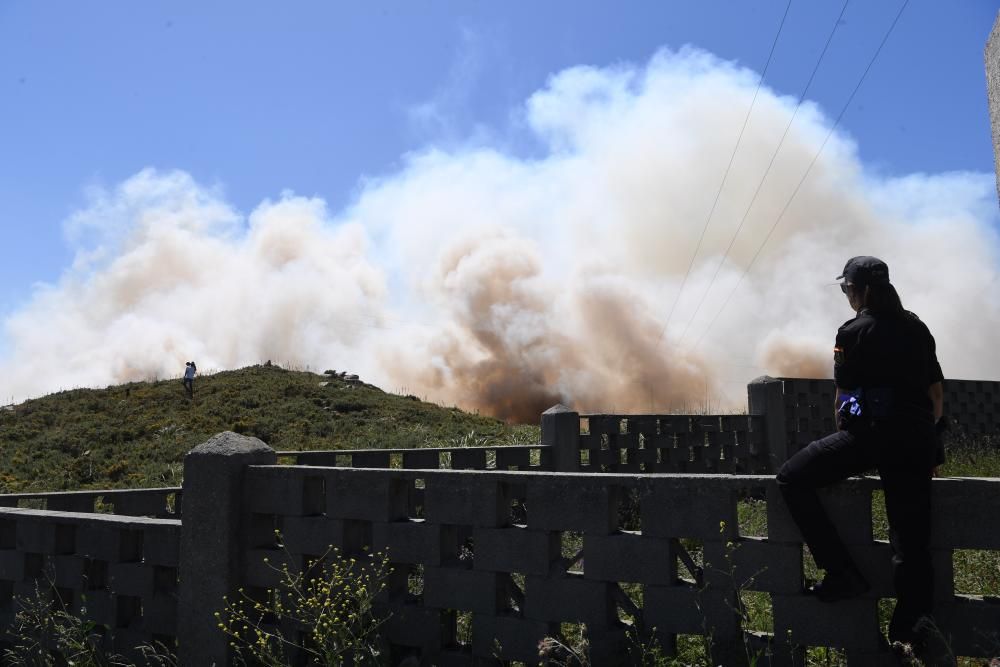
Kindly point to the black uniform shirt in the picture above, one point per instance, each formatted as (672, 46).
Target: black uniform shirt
(893, 354)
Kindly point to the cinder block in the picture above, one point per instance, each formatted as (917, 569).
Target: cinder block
(461, 589)
(274, 490)
(36, 535)
(509, 638)
(134, 579)
(66, 571)
(316, 534)
(762, 565)
(965, 513)
(107, 542)
(515, 549)
(99, 607)
(11, 565)
(421, 460)
(466, 499)
(369, 495)
(410, 541)
(629, 557)
(513, 457)
(161, 545)
(584, 503)
(468, 458)
(415, 625)
(370, 459)
(569, 598)
(847, 624)
(971, 625)
(673, 609)
(139, 503)
(160, 614)
(676, 507)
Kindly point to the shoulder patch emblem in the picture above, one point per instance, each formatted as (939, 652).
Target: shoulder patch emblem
(838, 355)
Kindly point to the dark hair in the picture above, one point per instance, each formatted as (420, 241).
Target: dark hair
(884, 300)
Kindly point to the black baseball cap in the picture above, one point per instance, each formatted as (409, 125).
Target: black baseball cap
(865, 270)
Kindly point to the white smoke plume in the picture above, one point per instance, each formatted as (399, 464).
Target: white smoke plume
(480, 278)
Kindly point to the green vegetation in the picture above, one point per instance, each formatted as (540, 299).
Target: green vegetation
(321, 615)
(135, 435)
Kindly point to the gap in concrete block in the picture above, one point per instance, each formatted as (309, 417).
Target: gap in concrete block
(463, 627)
(128, 611)
(164, 580)
(515, 592)
(886, 606)
(95, 575)
(313, 496)
(692, 650)
(8, 534)
(63, 598)
(342, 460)
(263, 531)
(751, 513)
(573, 637)
(584, 426)
(415, 501)
(415, 582)
(585, 457)
(810, 570)
(629, 510)
(518, 512)
(976, 572)
(444, 460)
(6, 594)
(467, 550)
(65, 542)
(34, 564)
(623, 456)
(756, 611)
(880, 520)
(690, 560)
(396, 460)
(104, 505)
(825, 655)
(623, 426)
(628, 602)
(571, 550)
(641, 441)
(605, 441)
(535, 457)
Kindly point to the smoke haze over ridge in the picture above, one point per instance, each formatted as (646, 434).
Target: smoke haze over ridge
(477, 277)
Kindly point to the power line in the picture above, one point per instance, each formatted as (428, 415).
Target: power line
(795, 192)
(729, 166)
(767, 171)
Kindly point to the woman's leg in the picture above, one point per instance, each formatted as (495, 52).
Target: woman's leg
(824, 462)
(908, 506)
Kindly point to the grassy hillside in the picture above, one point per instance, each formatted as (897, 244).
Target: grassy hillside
(136, 434)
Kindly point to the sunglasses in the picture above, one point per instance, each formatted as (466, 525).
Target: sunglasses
(843, 287)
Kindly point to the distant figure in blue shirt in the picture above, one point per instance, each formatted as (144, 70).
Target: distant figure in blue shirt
(189, 372)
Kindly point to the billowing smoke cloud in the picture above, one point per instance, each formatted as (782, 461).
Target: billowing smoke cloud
(506, 283)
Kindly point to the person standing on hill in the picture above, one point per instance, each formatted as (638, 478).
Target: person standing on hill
(189, 372)
(889, 417)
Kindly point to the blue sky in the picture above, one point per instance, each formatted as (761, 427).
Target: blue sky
(257, 98)
(453, 197)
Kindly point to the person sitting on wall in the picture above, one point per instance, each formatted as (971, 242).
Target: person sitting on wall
(189, 372)
(889, 411)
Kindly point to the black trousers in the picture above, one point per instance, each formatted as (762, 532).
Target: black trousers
(908, 505)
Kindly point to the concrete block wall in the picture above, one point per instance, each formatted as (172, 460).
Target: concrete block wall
(513, 457)
(973, 407)
(162, 503)
(123, 570)
(514, 555)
